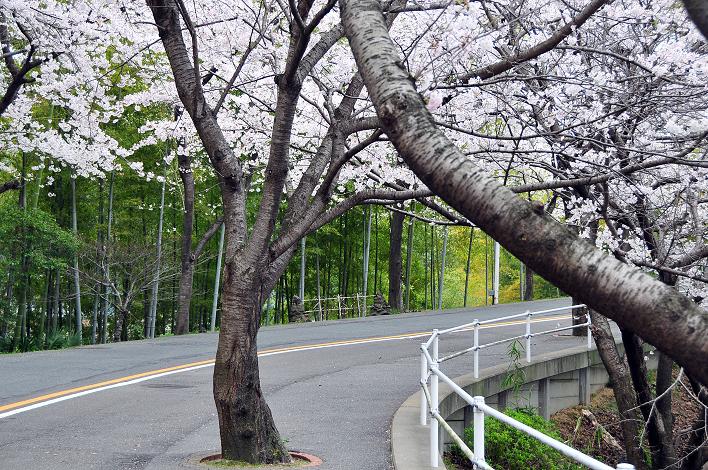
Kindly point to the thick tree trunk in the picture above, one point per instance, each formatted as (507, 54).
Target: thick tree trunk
(611, 287)
(186, 277)
(622, 387)
(186, 285)
(579, 317)
(395, 264)
(246, 425)
(698, 12)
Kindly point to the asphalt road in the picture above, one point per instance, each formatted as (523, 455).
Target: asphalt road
(332, 400)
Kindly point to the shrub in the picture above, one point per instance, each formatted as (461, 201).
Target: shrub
(510, 449)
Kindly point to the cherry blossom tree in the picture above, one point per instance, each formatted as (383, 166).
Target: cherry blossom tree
(593, 110)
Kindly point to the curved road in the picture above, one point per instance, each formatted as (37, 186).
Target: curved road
(332, 386)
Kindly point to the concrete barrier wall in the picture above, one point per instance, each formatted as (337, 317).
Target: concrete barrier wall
(552, 382)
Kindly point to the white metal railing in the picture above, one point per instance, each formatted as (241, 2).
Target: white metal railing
(356, 305)
(430, 375)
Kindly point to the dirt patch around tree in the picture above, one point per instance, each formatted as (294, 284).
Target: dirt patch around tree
(299, 460)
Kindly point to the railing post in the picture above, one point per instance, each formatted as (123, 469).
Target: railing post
(589, 322)
(478, 429)
(528, 336)
(434, 448)
(476, 349)
(423, 379)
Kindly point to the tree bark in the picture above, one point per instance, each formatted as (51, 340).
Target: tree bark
(467, 267)
(698, 12)
(246, 425)
(121, 318)
(186, 276)
(622, 387)
(578, 318)
(77, 283)
(528, 283)
(152, 314)
(245, 422)
(217, 279)
(105, 253)
(395, 264)
(605, 284)
(441, 278)
(409, 259)
(9, 185)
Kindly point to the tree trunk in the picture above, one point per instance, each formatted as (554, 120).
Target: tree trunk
(186, 282)
(303, 259)
(246, 425)
(19, 333)
(94, 313)
(528, 283)
(56, 301)
(467, 267)
(367, 250)
(425, 267)
(660, 438)
(77, 284)
(377, 281)
(395, 264)
(622, 387)
(121, 318)
(697, 438)
(614, 289)
(152, 312)
(187, 272)
(41, 324)
(579, 317)
(106, 244)
(217, 280)
(409, 259)
(441, 278)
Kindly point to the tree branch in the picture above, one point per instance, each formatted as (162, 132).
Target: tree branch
(631, 298)
(211, 231)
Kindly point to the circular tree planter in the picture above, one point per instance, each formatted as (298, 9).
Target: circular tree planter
(300, 460)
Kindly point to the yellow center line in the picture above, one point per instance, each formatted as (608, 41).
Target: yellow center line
(266, 352)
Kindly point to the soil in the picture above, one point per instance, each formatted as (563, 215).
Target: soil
(587, 437)
(299, 460)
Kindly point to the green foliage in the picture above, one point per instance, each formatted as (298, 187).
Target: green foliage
(515, 376)
(36, 235)
(59, 339)
(507, 448)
